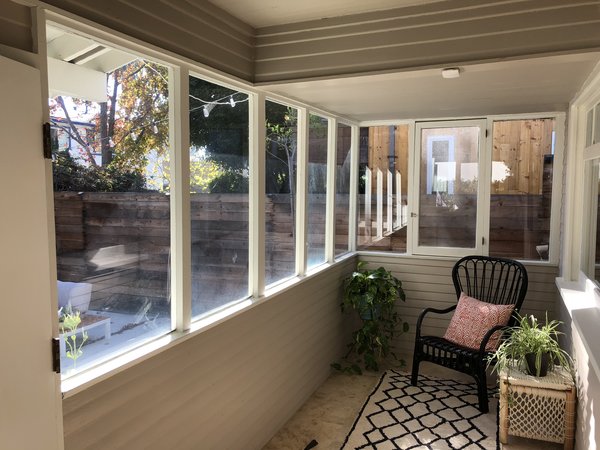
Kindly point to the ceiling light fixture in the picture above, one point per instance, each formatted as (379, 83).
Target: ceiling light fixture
(451, 72)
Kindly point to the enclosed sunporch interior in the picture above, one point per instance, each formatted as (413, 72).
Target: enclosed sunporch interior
(250, 363)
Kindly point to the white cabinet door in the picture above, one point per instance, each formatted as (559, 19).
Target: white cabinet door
(30, 405)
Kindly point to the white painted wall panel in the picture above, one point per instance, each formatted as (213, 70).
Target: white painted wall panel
(231, 387)
(15, 26)
(197, 30)
(425, 35)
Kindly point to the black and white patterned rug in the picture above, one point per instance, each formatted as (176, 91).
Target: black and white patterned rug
(434, 415)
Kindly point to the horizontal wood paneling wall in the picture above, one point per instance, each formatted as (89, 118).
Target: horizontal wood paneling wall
(428, 283)
(231, 387)
(15, 26)
(194, 29)
(425, 35)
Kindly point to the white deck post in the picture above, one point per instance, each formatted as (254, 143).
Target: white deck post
(379, 223)
(368, 189)
(390, 202)
(398, 199)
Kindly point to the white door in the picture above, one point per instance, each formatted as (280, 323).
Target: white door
(446, 217)
(30, 401)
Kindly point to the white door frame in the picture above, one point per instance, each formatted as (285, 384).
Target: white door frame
(481, 231)
(31, 413)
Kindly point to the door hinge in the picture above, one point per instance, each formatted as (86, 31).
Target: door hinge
(56, 355)
(482, 240)
(487, 132)
(413, 214)
(47, 140)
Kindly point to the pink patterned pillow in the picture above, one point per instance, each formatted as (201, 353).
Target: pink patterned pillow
(472, 319)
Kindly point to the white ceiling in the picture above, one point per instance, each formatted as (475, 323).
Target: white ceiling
(507, 87)
(265, 13)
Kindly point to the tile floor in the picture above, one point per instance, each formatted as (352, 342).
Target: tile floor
(329, 413)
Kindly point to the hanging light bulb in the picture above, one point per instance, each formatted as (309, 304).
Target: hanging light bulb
(208, 108)
(111, 143)
(155, 129)
(133, 136)
(231, 101)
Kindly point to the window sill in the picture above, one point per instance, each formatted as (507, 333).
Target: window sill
(581, 300)
(94, 375)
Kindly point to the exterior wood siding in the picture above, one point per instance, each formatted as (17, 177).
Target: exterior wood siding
(15, 26)
(428, 283)
(197, 30)
(230, 387)
(428, 35)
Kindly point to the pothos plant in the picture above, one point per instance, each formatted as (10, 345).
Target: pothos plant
(372, 294)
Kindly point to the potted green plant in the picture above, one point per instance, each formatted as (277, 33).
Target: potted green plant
(372, 294)
(531, 347)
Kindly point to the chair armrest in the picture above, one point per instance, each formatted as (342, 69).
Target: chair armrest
(488, 335)
(434, 311)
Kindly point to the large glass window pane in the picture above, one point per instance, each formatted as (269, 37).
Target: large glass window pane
(317, 185)
(342, 191)
(521, 188)
(280, 202)
(219, 195)
(449, 172)
(382, 204)
(111, 181)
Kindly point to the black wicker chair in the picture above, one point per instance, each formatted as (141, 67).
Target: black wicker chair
(494, 280)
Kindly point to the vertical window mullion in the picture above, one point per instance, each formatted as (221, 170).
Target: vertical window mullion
(330, 208)
(256, 149)
(352, 214)
(301, 193)
(557, 187)
(179, 136)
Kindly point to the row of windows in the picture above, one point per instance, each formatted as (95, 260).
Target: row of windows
(115, 211)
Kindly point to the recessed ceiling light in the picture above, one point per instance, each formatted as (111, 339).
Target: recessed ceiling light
(451, 72)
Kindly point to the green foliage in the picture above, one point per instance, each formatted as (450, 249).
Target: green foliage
(141, 119)
(69, 175)
(230, 181)
(68, 322)
(529, 337)
(373, 294)
(224, 133)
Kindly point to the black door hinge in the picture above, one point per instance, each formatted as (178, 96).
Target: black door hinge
(56, 355)
(487, 132)
(47, 138)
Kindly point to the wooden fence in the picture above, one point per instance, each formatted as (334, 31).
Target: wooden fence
(120, 242)
(518, 223)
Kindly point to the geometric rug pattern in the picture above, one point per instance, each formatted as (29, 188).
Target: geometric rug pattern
(434, 415)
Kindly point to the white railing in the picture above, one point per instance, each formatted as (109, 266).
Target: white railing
(390, 213)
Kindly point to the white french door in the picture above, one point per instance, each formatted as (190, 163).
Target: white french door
(30, 400)
(447, 207)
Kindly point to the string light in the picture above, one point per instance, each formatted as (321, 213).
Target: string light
(133, 136)
(155, 129)
(208, 108)
(231, 101)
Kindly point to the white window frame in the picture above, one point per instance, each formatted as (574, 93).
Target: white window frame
(180, 69)
(557, 179)
(481, 233)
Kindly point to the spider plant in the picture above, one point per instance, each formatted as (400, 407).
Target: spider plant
(531, 347)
